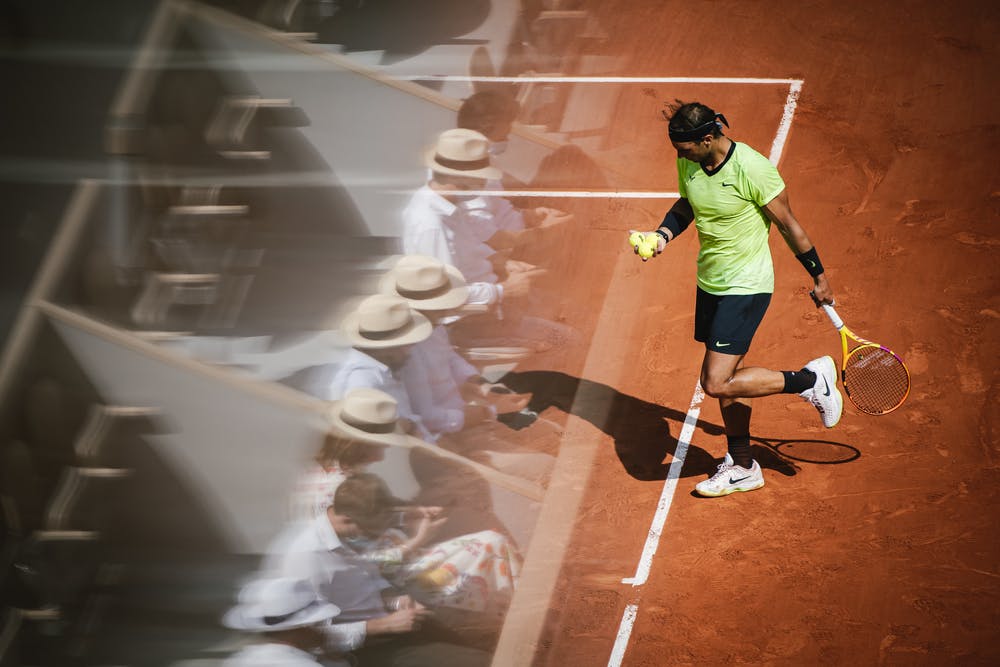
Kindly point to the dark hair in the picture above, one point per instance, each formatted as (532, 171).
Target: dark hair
(344, 450)
(689, 115)
(482, 110)
(365, 498)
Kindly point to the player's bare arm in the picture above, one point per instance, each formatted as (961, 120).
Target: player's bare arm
(780, 212)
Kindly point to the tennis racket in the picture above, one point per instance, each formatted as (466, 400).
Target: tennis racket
(875, 378)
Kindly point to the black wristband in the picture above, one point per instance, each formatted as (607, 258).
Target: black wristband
(673, 223)
(810, 260)
(662, 234)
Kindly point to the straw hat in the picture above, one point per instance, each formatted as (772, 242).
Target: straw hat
(426, 283)
(369, 415)
(462, 152)
(269, 605)
(383, 321)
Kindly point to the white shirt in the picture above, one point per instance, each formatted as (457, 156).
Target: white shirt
(489, 215)
(432, 376)
(314, 490)
(277, 655)
(434, 226)
(358, 370)
(312, 550)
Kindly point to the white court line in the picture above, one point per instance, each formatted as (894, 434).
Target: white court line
(594, 79)
(785, 125)
(569, 194)
(624, 630)
(667, 496)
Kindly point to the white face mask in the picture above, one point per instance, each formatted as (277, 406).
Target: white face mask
(498, 147)
(358, 543)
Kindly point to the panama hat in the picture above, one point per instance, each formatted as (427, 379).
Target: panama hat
(383, 321)
(462, 152)
(367, 414)
(426, 283)
(272, 604)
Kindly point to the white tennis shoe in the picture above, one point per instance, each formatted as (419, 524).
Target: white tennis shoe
(824, 395)
(730, 478)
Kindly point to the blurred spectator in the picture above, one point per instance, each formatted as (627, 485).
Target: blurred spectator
(436, 224)
(288, 615)
(491, 113)
(446, 391)
(362, 425)
(381, 331)
(495, 219)
(474, 572)
(380, 624)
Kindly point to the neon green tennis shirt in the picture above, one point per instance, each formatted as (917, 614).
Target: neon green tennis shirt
(732, 228)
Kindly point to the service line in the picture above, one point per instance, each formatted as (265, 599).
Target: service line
(568, 194)
(595, 79)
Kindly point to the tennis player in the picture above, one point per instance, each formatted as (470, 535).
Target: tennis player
(732, 193)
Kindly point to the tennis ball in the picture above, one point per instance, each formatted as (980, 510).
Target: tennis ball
(647, 250)
(635, 239)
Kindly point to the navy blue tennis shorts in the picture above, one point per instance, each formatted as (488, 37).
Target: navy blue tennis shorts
(728, 322)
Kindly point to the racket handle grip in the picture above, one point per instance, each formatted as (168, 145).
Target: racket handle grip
(830, 312)
(834, 317)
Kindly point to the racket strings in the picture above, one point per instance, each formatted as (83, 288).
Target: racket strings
(875, 379)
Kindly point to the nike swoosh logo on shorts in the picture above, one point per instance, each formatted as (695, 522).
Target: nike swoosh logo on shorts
(718, 344)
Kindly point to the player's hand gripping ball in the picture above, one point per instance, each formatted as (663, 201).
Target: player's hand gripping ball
(643, 244)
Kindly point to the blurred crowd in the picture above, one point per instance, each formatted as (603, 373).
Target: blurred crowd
(427, 579)
(393, 553)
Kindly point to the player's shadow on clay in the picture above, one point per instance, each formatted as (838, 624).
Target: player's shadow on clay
(640, 429)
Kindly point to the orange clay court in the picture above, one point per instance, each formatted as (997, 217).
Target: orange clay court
(873, 543)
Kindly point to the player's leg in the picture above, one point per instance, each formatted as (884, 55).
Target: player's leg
(816, 383)
(722, 319)
(736, 417)
(738, 471)
(721, 377)
(726, 325)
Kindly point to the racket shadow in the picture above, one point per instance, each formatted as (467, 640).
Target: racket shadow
(641, 430)
(792, 451)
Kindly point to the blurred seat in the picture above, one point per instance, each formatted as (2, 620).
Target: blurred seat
(296, 18)
(235, 129)
(108, 429)
(20, 490)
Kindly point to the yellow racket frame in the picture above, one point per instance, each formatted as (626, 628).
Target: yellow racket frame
(846, 354)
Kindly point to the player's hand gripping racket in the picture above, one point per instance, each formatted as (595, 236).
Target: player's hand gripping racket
(875, 378)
